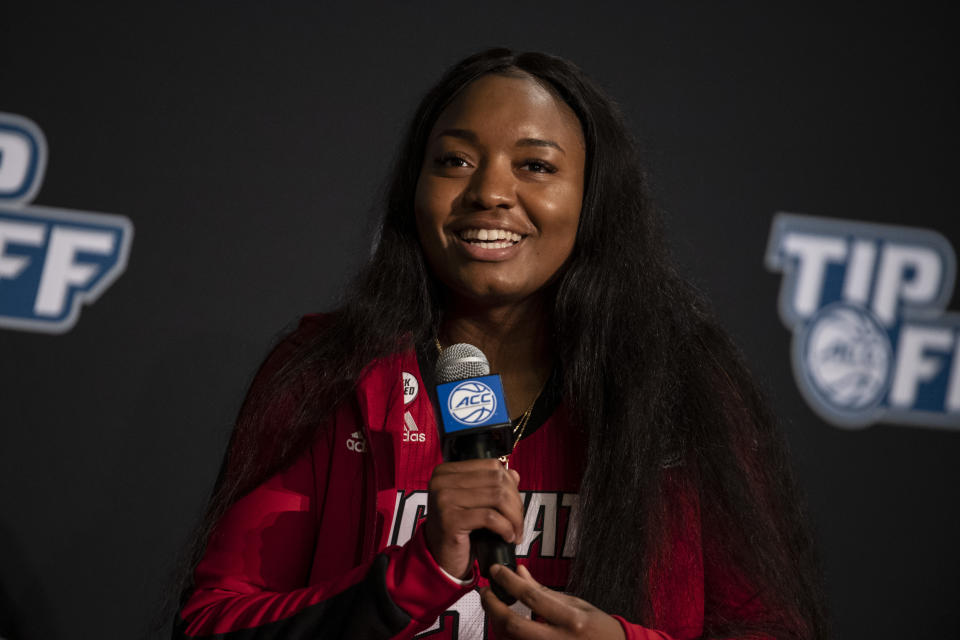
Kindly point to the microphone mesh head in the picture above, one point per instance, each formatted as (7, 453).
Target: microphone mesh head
(459, 361)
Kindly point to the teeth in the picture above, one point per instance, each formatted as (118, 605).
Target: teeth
(491, 236)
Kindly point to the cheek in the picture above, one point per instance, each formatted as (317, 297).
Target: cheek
(563, 211)
(424, 215)
(563, 199)
(432, 205)
(419, 203)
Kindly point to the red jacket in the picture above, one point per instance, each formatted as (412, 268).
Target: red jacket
(307, 553)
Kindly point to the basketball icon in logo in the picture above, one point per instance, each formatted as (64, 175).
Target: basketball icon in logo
(471, 402)
(848, 357)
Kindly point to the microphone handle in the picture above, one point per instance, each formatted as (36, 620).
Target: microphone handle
(491, 549)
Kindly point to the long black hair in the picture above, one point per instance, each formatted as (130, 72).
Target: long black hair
(660, 391)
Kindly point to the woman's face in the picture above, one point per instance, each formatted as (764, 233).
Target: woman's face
(500, 190)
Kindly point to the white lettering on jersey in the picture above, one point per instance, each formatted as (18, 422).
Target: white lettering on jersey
(466, 620)
(356, 442)
(410, 387)
(546, 504)
(572, 501)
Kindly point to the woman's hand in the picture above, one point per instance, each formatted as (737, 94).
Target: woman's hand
(468, 495)
(563, 616)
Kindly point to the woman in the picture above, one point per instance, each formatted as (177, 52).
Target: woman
(647, 479)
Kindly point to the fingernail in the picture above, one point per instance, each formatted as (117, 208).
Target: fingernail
(495, 569)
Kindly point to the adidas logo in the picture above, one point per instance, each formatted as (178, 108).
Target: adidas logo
(410, 431)
(356, 442)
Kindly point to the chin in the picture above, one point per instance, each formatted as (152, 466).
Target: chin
(495, 295)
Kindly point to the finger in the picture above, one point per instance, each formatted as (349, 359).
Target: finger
(452, 502)
(571, 600)
(568, 600)
(467, 466)
(483, 467)
(498, 497)
(473, 481)
(550, 605)
(467, 520)
(524, 573)
(507, 623)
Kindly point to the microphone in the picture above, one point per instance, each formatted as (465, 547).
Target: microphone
(475, 424)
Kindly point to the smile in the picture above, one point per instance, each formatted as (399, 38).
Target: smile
(490, 238)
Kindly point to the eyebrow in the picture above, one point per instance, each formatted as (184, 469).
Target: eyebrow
(470, 136)
(538, 142)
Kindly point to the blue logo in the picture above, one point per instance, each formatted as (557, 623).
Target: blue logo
(474, 403)
(848, 357)
(866, 302)
(471, 402)
(52, 261)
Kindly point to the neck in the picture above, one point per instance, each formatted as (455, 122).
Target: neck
(514, 339)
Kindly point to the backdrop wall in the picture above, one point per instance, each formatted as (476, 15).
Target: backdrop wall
(245, 144)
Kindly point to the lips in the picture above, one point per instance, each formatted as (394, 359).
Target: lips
(489, 238)
(489, 245)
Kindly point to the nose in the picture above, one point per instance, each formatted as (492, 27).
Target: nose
(492, 185)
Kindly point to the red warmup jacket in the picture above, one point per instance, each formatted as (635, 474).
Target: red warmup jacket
(330, 546)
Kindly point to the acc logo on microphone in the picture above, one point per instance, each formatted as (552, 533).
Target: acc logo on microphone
(472, 402)
(51, 260)
(866, 302)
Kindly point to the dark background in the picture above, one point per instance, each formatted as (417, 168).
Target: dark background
(248, 143)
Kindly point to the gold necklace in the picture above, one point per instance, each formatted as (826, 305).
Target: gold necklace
(521, 423)
(519, 429)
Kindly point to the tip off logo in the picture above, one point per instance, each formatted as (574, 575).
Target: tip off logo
(52, 261)
(866, 303)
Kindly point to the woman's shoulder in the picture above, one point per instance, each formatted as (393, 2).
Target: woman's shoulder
(285, 365)
(314, 322)
(293, 342)
(310, 327)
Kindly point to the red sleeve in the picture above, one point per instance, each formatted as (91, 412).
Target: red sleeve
(252, 579)
(633, 631)
(637, 632)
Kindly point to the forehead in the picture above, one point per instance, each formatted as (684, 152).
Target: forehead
(511, 107)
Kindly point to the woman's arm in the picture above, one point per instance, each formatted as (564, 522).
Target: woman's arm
(559, 615)
(700, 587)
(252, 580)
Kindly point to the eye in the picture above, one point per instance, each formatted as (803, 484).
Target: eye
(539, 166)
(450, 160)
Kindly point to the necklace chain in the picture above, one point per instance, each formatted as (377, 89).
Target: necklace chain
(521, 427)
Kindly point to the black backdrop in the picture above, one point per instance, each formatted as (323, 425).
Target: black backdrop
(248, 143)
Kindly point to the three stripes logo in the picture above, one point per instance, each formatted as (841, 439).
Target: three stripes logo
(410, 431)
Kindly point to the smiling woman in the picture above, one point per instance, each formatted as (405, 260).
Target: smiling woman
(499, 195)
(647, 480)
